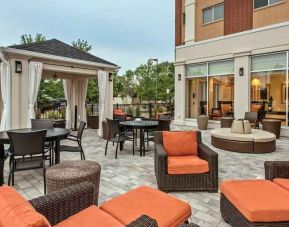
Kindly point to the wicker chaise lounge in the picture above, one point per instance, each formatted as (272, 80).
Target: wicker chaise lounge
(74, 207)
(186, 182)
(270, 200)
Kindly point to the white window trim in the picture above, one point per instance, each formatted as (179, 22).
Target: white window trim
(268, 4)
(213, 14)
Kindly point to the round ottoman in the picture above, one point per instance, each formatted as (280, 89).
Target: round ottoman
(226, 122)
(70, 173)
(272, 125)
(203, 122)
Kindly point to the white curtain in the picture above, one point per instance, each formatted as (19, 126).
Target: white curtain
(34, 79)
(82, 88)
(68, 97)
(5, 76)
(102, 84)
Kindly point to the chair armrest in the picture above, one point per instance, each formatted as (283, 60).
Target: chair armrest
(276, 169)
(143, 221)
(210, 156)
(160, 160)
(189, 225)
(58, 206)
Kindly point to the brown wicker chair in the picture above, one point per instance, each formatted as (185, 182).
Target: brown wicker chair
(188, 182)
(60, 205)
(27, 152)
(273, 169)
(78, 139)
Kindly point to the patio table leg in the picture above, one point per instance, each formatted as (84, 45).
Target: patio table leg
(2, 160)
(141, 142)
(57, 151)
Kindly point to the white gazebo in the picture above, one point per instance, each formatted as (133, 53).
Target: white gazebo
(23, 67)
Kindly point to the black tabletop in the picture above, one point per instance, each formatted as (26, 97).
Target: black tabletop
(52, 134)
(140, 124)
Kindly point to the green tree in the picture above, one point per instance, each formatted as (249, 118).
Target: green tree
(50, 90)
(27, 39)
(82, 45)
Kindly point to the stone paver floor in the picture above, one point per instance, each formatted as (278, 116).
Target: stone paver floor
(128, 172)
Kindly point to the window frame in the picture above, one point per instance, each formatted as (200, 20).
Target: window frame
(268, 4)
(213, 13)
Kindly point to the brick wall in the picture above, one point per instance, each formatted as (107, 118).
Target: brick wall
(178, 22)
(238, 16)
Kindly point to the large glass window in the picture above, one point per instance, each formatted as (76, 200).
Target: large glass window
(213, 13)
(210, 89)
(263, 3)
(268, 86)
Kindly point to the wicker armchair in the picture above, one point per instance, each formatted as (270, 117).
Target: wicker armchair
(188, 182)
(60, 205)
(276, 169)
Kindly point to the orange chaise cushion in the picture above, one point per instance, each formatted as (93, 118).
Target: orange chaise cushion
(17, 211)
(187, 165)
(167, 210)
(180, 143)
(284, 183)
(258, 200)
(90, 217)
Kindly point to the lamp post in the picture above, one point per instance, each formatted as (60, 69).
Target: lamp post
(157, 62)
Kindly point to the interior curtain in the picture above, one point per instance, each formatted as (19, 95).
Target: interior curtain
(5, 76)
(68, 97)
(102, 84)
(34, 79)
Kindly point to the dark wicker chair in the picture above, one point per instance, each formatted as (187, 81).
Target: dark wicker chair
(164, 125)
(27, 152)
(60, 205)
(273, 169)
(187, 182)
(39, 124)
(117, 136)
(77, 139)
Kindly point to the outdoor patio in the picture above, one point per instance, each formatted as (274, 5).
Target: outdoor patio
(128, 172)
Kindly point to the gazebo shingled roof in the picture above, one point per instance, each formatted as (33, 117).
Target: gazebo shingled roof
(58, 48)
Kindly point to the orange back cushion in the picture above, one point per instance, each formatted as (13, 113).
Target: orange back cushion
(180, 143)
(16, 211)
(118, 112)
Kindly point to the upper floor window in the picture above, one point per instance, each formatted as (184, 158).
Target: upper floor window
(263, 3)
(213, 13)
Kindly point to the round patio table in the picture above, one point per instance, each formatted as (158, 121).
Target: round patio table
(142, 126)
(53, 135)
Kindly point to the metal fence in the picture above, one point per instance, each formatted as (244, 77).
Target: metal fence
(136, 110)
(145, 109)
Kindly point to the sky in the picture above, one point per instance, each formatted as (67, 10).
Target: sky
(125, 32)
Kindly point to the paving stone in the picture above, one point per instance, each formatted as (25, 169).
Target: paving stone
(129, 172)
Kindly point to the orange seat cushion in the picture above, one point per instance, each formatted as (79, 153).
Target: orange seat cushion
(284, 183)
(90, 217)
(187, 165)
(258, 200)
(17, 211)
(118, 112)
(180, 143)
(167, 210)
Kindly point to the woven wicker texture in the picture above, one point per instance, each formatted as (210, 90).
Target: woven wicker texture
(70, 173)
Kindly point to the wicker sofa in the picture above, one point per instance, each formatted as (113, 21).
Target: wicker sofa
(186, 182)
(270, 198)
(73, 206)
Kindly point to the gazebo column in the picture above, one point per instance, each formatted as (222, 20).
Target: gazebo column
(109, 100)
(19, 94)
(79, 91)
